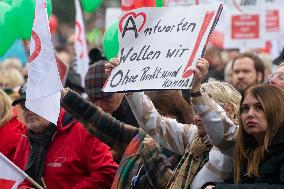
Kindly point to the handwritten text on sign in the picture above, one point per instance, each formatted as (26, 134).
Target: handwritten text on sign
(159, 47)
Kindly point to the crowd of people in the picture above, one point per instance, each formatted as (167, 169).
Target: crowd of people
(223, 132)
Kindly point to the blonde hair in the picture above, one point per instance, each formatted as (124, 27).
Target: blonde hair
(224, 94)
(247, 148)
(12, 63)
(10, 78)
(5, 108)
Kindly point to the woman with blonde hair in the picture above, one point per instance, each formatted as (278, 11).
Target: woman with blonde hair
(259, 148)
(201, 162)
(10, 126)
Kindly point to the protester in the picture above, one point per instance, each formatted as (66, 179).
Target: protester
(259, 148)
(113, 103)
(195, 168)
(104, 125)
(277, 78)
(73, 81)
(248, 71)
(10, 127)
(62, 156)
(10, 78)
(14, 63)
(216, 64)
(228, 73)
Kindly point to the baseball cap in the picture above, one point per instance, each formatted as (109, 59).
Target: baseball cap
(22, 94)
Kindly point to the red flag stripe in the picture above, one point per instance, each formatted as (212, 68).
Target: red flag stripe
(6, 184)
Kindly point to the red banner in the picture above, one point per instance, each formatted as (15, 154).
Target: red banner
(245, 27)
(272, 21)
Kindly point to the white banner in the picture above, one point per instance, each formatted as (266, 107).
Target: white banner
(159, 47)
(43, 84)
(81, 50)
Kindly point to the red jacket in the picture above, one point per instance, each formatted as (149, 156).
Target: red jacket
(75, 159)
(10, 134)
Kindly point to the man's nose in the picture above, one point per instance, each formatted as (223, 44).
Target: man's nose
(273, 81)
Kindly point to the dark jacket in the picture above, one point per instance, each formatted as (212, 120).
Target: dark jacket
(271, 168)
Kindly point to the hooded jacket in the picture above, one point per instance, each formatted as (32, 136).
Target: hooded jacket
(74, 159)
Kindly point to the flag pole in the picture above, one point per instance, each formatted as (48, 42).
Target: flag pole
(20, 171)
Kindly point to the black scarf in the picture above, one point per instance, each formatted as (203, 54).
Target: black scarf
(40, 143)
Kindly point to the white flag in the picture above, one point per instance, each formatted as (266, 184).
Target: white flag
(10, 174)
(43, 85)
(81, 49)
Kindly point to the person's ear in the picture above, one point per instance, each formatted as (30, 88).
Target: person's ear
(229, 109)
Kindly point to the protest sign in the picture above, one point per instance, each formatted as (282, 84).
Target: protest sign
(274, 18)
(159, 47)
(245, 29)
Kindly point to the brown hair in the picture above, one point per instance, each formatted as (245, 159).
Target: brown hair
(170, 103)
(247, 148)
(258, 64)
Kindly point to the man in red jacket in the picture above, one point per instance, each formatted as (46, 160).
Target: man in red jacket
(62, 156)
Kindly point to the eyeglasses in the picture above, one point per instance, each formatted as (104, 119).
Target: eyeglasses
(277, 75)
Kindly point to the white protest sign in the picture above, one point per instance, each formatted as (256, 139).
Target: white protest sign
(245, 29)
(159, 47)
(43, 84)
(274, 18)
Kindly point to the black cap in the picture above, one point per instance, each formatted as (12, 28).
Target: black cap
(22, 93)
(73, 81)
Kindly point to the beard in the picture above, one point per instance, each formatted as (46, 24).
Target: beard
(243, 85)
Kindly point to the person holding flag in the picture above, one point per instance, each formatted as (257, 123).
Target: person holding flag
(56, 157)
(50, 151)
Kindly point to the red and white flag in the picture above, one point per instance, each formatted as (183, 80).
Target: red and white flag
(10, 175)
(43, 84)
(81, 50)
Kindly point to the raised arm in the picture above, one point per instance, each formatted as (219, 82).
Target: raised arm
(97, 122)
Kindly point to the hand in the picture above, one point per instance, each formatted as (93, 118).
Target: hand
(110, 65)
(63, 92)
(149, 142)
(200, 73)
